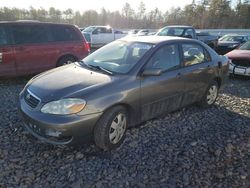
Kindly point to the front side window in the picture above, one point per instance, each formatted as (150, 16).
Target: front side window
(3, 36)
(165, 58)
(194, 54)
(118, 56)
(29, 34)
(189, 33)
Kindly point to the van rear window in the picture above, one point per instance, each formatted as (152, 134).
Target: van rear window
(64, 33)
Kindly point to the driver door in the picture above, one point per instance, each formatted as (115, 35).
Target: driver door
(163, 93)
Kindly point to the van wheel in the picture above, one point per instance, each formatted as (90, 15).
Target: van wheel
(65, 60)
(110, 130)
(210, 96)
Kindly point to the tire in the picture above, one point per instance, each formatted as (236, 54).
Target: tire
(65, 60)
(211, 95)
(107, 134)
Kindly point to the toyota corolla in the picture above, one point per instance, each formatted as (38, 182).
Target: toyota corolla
(124, 83)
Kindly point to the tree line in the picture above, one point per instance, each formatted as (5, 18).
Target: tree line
(202, 14)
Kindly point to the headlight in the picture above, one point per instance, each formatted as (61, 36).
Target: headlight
(64, 106)
(233, 46)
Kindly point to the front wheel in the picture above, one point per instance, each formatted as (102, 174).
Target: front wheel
(65, 60)
(210, 95)
(110, 130)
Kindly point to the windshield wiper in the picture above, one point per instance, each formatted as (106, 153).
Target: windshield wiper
(96, 67)
(101, 69)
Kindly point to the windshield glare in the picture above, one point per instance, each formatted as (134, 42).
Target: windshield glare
(168, 31)
(231, 38)
(245, 46)
(118, 56)
(89, 29)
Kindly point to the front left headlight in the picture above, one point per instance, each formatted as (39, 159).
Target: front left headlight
(64, 106)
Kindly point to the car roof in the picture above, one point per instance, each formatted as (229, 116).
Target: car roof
(31, 22)
(180, 26)
(154, 39)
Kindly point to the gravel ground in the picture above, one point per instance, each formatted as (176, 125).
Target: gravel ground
(192, 147)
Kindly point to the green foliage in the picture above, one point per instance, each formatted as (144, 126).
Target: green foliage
(200, 14)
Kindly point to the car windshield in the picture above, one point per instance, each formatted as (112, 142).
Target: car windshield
(245, 46)
(231, 38)
(89, 29)
(168, 31)
(118, 56)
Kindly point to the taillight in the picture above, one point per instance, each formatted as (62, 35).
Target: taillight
(87, 46)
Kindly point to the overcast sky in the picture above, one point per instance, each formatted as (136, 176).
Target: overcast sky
(83, 5)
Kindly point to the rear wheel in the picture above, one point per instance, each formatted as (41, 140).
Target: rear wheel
(211, 95)
(110, 130)
(65, 60)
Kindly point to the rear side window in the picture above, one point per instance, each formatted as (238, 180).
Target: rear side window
(29, 34)
(194, 54)
(3, 36)
(64, 33)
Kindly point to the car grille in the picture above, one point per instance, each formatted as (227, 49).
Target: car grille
(31, 99)
(241, 62)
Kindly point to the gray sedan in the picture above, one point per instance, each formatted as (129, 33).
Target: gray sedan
(124, 83)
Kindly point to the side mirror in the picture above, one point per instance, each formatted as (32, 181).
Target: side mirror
(152, 72)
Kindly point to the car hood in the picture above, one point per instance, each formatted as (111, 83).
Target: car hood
(227, 43)
(239, 54)
(66, 81)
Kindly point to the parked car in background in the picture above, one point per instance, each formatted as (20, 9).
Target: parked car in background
(132, 32)
(207, 38)
(126, 82)
(229, 42)
(98, 36)
(240, 60)
(28, 47)
(142, 32)
(81, 28)
(178, 31)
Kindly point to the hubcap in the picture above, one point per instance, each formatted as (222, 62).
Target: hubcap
(117, 128)
(68, 62)
(212, 94)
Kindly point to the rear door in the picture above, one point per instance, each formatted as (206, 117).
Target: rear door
(30, 48)
(197, 71)
(7, 59)
(161, 94)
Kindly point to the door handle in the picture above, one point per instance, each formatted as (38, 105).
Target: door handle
(219, 65)
(20, 48)
(178, 75)
(1, 57)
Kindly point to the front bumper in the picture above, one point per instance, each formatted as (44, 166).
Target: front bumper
(58, 129)
(239, 70)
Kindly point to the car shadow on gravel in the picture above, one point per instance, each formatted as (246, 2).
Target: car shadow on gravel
(179, 149)
(192, 147)
(238, 86)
